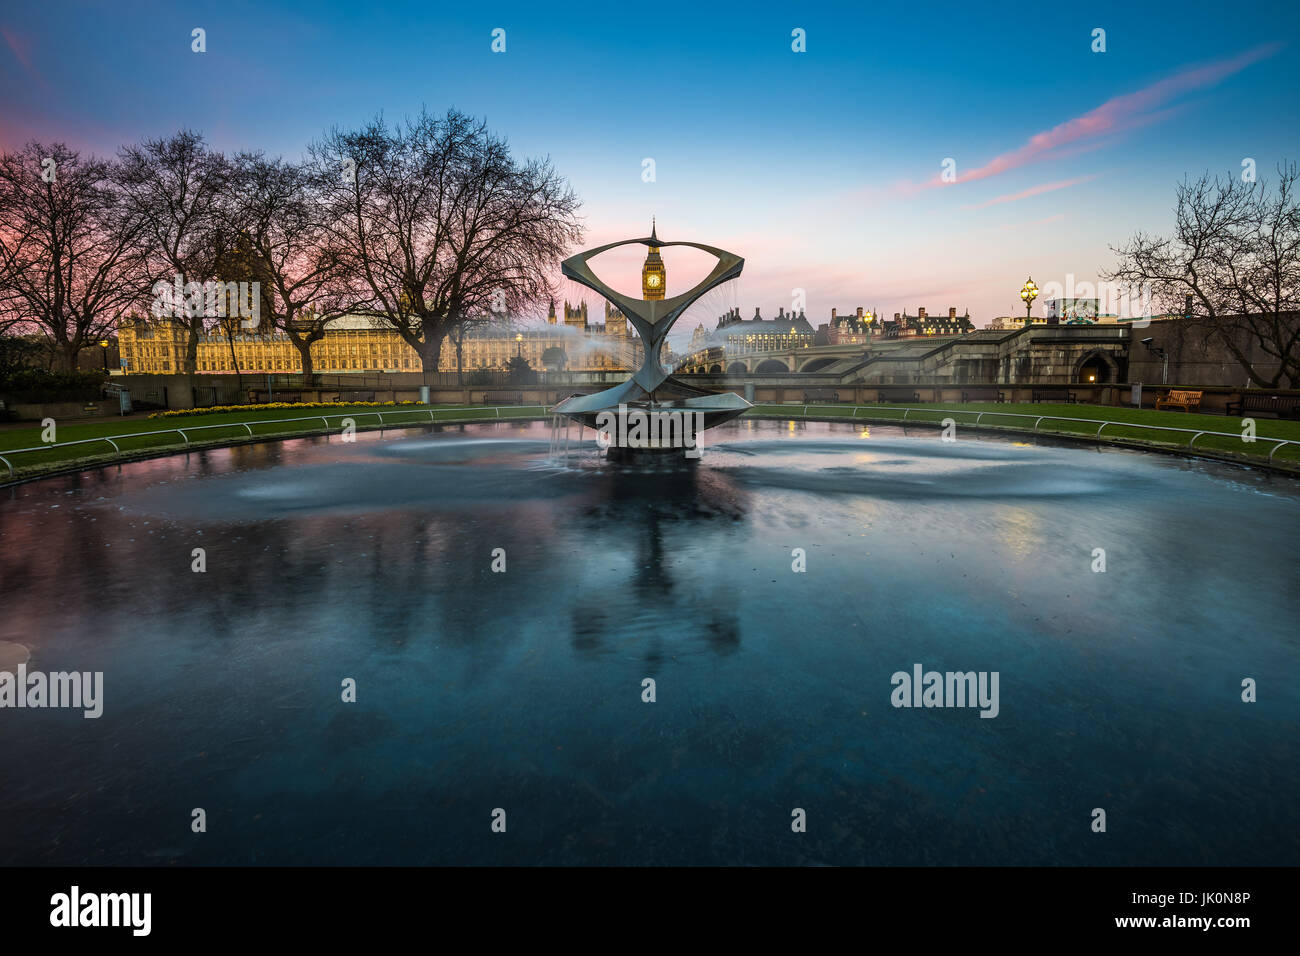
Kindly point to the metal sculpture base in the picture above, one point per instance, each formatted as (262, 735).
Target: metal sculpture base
(654, 457)
(651, 391)
(671, 396)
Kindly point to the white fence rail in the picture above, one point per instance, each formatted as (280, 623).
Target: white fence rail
(497, 409)
(1039, 419)
(114, 439)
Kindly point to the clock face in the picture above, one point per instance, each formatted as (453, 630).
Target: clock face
(652, 281)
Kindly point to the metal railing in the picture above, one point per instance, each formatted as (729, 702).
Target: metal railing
(453, 412)
(1039, 419)
(114, 439)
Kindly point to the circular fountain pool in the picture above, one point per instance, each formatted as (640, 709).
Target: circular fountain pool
(774, 688)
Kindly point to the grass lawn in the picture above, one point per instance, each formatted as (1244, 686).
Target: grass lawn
(996, 415)
(159, 434)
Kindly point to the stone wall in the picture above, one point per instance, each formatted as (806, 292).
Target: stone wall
(1195, 359)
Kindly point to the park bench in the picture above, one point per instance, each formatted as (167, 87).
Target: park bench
(503, 398)
(1185, 399)
(897, 395)
(1283, 406)
(1055, 395)
(983, 395)
(820, 395)
(345, 397)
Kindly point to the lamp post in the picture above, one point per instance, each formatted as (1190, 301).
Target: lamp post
(1029, 292)
(519, 345)
(103, 350)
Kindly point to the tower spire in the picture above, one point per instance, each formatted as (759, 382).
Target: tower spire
(653, 277)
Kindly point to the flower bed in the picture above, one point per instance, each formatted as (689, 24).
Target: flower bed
(223, 409)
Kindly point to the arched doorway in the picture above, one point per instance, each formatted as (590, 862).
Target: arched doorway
(1095, 368)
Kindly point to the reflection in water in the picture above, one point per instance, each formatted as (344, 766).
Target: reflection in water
(1018, 530)
(655, 514)
(373, 561)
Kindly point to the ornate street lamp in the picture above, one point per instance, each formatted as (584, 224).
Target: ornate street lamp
(519, 345)
(103, 349)
(1029, 292)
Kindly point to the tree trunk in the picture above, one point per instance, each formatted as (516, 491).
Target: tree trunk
(430, 351)
(1226, 337)
(192, 347)
(234, 359)
(304, 356)
(68, 352)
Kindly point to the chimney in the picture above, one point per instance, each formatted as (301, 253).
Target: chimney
(756, 315)
(952, 312)
(780, 312)
(897, 316)
(859, 312)
(832, 316)
(920, 313)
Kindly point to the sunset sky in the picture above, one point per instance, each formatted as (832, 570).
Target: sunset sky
(821, 168)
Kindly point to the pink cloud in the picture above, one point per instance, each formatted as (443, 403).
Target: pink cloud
(1118, 114)
(21, 48)
(1031, 191)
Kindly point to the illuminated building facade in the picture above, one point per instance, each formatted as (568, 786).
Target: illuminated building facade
(356, 344)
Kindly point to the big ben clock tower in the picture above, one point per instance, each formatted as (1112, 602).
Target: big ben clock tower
(653, 277)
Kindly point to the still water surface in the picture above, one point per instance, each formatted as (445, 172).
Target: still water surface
(522, 690)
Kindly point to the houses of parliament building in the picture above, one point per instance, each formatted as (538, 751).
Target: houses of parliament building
(357, 344)
(569, 341)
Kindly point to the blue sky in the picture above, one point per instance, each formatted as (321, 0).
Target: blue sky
(819, 167)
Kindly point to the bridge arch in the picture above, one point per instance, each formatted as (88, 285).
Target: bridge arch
(737, 368)
(814, 365)
(771, 365)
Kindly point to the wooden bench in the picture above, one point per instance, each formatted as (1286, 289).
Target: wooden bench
(820, 395)
(1055, 395)
(897, 395)
(1283, 406)
(983, 395)
(342, 398)
(503, 398)
(1185, 399)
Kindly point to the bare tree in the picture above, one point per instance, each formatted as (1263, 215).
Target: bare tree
(462, 327)
(174, 187)
(1235, 253)
(277, 209)
(68, 252)
(227, 310)
(438, 223)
